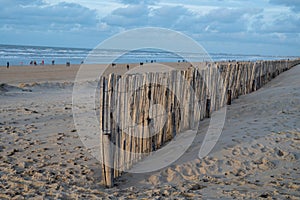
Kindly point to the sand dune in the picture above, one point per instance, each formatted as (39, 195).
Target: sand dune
(42, 156)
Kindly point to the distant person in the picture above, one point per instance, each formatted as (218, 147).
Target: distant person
(31, 62)
(7, 65)
(43, 62)
(127, 67)
(34, 62)
(53, 61)
(68, 64)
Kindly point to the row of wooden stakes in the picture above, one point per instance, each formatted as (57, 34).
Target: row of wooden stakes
(139, 113)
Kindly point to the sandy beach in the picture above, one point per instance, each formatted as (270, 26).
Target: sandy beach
(42, 156)
(61, 73)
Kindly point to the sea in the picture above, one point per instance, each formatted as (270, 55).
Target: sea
(26, 55)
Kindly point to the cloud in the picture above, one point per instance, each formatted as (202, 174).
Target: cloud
(127, 17)
(284, 24)
(170, 16)
(145, 2)
(228, 20)
(81, 22)
(139, 15)
(182, 18)
(21, 2)
(40, 23)
(38, 16)
(294, 4)
(230, 15)
(277, 22)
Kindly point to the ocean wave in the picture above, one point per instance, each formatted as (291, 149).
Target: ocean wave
(17, 55)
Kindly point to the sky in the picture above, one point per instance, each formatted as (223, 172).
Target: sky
(265, 27)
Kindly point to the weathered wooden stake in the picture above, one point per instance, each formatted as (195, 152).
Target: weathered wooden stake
(106, 136)
(253, 85)
(228, 97)
(208, 102)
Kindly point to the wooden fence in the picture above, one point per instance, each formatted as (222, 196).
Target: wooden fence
(127, 122)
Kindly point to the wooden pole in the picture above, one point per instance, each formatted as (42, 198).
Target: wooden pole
(106, 136)
(208, 102)
(228, 97)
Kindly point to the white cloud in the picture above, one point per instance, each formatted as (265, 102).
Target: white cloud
(39, 16)
(170, 16)
(103, 8)
(144, 2)
(129, 16)
(280, 21)
(215, 21)
(293, 4)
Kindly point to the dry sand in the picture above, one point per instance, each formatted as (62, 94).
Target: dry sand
(61, 73)
(257, 155)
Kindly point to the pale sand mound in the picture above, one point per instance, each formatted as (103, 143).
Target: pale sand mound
(257, 156)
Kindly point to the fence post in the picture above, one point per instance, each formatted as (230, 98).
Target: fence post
(208, 108)
(228, 97)
(107, 172)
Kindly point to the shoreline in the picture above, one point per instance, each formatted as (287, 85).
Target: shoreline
(282, 58)
(61, 55)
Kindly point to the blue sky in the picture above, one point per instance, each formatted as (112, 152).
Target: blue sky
(268, 27)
